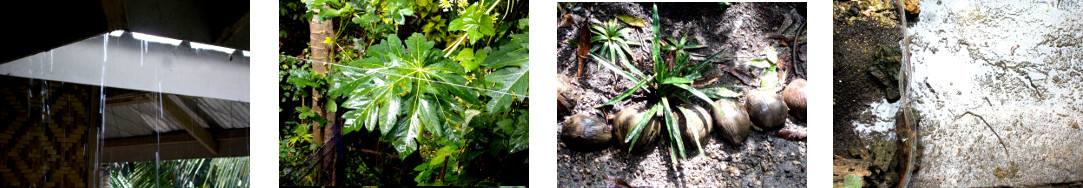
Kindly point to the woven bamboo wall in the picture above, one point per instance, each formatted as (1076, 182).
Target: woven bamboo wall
(45, 134)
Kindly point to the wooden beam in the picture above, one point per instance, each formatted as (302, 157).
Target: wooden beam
(174, 145)
(185, 120)
(170, 138)
(128, 99)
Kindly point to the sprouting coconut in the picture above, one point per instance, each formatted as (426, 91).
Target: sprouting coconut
(586, 132)
(795, 96)
(766, 109)
(626, 120)
(731, 121)
(695, 124)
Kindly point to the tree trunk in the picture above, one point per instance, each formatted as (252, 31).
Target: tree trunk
(322, 53)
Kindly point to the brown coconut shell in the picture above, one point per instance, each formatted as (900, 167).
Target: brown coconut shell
(731, 121)
(794, 96)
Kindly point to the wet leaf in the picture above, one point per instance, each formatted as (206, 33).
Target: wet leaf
(760, 63)
(769, 79)
(720, 92)
(632, 20)
(511, 74)
(398, 93)
(466, 59)
(853, 181)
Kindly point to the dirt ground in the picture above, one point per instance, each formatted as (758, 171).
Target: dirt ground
(763, 160)
(858, 32)
(854, 88)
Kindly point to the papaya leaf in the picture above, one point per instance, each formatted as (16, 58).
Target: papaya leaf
(400, 88)
(511, 74)
(475, 22)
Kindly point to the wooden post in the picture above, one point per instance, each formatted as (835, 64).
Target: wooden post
(92, 147)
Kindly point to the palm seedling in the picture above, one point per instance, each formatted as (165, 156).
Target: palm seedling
(614, 41)
(668, 82)
(679, 47)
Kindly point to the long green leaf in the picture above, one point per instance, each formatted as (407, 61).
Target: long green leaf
(687, 115)
(627, 92)
(614, 68)
(628, 65)
(671, 123)
(701, 68)
(655, 45)
(676, 80)
(634, 135)
(698, 94)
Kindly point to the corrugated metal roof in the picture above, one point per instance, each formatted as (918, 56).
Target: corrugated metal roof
(147, 118)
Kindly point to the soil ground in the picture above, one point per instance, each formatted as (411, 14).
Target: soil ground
(739, 29)
(854, 88)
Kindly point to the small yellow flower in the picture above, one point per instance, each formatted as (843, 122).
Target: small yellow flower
(463, 3)
(445, 5)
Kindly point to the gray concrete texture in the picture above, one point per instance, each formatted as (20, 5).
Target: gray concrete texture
(1018, 66)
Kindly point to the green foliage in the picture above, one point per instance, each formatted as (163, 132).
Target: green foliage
(511, 73)
(433, 23)
(486, 137)
(853, 181)
(724, 5)
(215, 172)
(613, 41)
(769, 79)
(460, 110)
(670, 81)
(398, 80)
(297, 83)
(475, 22)
(679, 46)
(361, 11)
(300, 82)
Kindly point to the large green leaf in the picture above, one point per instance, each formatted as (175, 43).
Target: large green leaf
(403, 88)
(397, 10)
(475, 22)
(511, 75)
(520, 137)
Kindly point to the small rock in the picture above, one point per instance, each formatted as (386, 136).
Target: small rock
(885, 68)
(912, 7)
